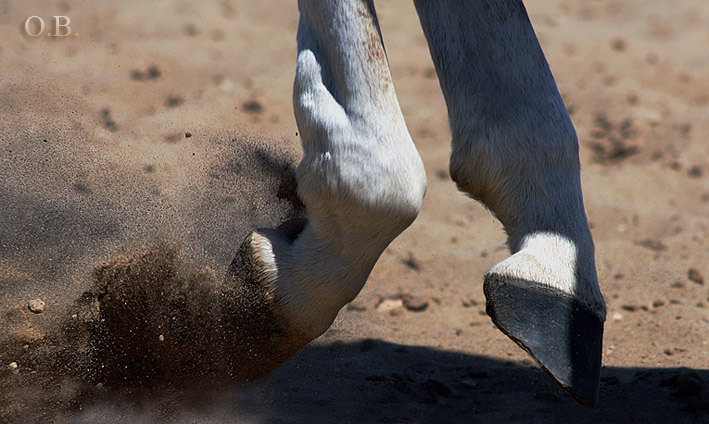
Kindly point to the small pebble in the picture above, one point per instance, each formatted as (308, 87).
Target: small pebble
(227, 85)
(386, 305)
(36, 306)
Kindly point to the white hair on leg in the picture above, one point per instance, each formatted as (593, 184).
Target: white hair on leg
(361, 178)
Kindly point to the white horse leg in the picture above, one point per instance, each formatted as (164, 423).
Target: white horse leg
(515, 150)
(361, 178)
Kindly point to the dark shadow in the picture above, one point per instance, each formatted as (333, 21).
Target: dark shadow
(379, 382)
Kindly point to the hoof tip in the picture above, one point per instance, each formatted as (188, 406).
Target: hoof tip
(562, 334)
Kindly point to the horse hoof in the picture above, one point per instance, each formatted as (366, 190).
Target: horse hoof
(560, 332)
(260, 326)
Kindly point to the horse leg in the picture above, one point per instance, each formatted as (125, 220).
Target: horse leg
(361, 179)
(515, 150)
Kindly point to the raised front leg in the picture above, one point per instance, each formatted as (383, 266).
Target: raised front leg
(516, 151)
(361, 179)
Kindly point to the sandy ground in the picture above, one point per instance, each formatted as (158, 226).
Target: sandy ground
(164, 121)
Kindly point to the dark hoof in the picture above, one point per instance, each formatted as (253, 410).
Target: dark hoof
(563, 335)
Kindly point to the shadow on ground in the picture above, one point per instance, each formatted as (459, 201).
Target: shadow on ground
(378, 382)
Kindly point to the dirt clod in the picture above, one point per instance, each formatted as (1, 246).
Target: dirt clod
(695, 172)
(108, 121)
(414, 303)
(695, 276)
(618, 44)
(174, 100)
(152, 72)
(652, 244)
(611, 145)
(252, 107)
(412, 261)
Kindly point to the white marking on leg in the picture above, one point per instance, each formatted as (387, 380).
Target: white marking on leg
(546, 258)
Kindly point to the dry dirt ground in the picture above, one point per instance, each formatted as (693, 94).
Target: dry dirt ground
(169, 123)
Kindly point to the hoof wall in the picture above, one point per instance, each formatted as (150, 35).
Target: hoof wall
(562, 334)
